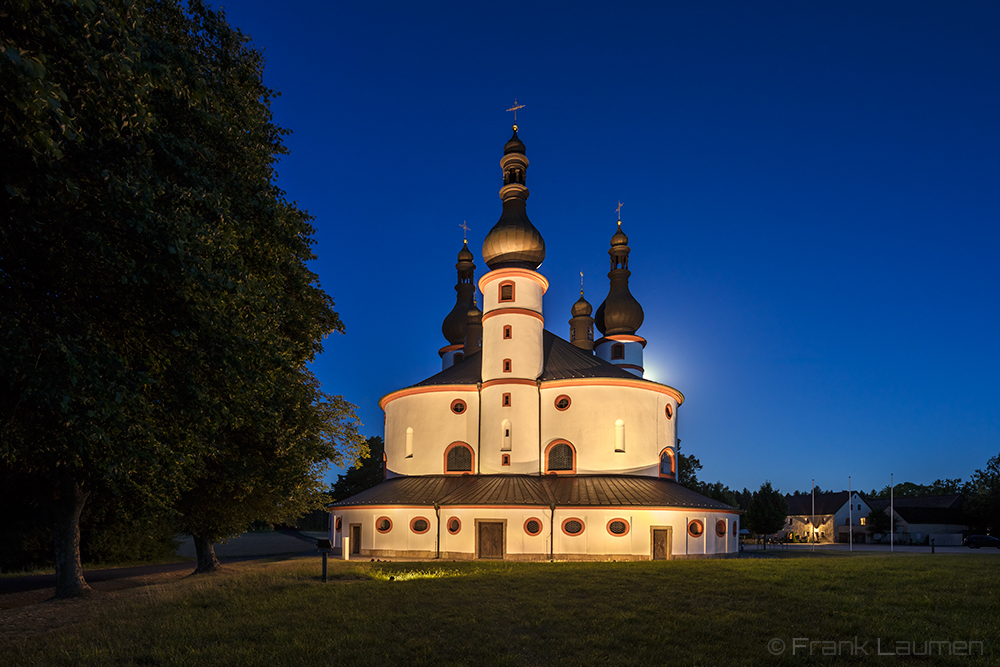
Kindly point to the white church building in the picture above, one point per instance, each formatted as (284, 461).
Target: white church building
(527, 446)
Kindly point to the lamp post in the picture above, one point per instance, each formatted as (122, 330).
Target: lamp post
(812, 521)
(324, 547)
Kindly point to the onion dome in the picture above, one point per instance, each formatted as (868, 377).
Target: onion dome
(514, 242)
(620, 313)
(454, 323)
(581, 307)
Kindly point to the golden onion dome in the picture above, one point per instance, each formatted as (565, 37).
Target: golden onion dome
(582, 307)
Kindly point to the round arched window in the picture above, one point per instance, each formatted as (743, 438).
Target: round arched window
(458, 458)
(420, 525)
(572, 526)
(458, 406)
(383, 524)
(618, 527)
(696, 528)
(454, 525)
(339, 520)
(670, 411)
(533, 526)
(720, 528)
(563, 402)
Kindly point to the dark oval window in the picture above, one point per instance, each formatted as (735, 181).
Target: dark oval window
(618, 527)
(670, 412)
(454, 525)
(573, 526)
(734, 529)
(532, 526)
(339, 523)
(696, 528)
(458, 406)
(563, 402)
(420, 525)
(383, 525)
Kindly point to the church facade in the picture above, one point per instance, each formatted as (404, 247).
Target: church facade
(527, 446)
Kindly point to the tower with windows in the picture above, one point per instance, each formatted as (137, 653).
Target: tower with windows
(620, 316)
(453, 327)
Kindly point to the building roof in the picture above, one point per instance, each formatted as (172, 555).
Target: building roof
(541, 490)
(561, 360)
(826, 503)
(943, 509)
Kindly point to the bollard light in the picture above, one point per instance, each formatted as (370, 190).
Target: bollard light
(325, 547)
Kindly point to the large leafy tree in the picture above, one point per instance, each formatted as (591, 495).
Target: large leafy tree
(983, 503)
(366, 473)
(767, 510)
(156, 306)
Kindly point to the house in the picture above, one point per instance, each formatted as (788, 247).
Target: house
(923, 518)
(836, 516)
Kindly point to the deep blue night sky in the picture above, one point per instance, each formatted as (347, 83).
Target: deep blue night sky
(810, 191)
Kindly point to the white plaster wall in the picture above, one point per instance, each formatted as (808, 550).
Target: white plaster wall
(434, 426)
(633, 352)
(524, 349)
(595, 540)
(523, 416)
(527, 292)
(589, 424)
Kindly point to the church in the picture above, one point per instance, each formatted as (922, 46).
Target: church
(528, 446)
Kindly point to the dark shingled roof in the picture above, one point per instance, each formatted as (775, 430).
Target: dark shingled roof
(561, 359)
(542, 490)
(943, 509)
(826, 503)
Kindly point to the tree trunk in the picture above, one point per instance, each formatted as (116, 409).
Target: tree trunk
(207, 562)
(70, 498)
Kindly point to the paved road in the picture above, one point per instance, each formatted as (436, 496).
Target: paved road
(283, 542)
(870, 548)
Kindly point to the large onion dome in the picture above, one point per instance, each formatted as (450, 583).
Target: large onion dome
(581, 307)
(514, 242)
(454, 323)
(620, 313)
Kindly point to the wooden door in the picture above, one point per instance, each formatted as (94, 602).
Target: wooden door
(491, 539)
(661, 544)
(356, 540)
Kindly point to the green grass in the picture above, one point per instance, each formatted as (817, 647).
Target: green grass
(682, 612)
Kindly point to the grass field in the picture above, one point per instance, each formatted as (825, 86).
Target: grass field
(731, 612)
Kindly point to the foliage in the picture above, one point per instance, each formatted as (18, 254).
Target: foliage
(687, 471)
(878, 522)
(983, 502)
(767, 511)
(157, 312)
(687, 476)
(365, 474)
(939, 487)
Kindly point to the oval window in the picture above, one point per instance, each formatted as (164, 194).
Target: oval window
(618, 527)
(458, 406)
(572, 526)
(420, 525)
(339, 520)
(720, 528)
(383, 524)
(454, 525)
(696, 528)
(670, 411)
(563, 402)
(533, 526)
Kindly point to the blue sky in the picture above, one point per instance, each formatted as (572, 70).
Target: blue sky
(810, 191)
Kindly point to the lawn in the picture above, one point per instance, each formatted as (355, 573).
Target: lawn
(728, 612)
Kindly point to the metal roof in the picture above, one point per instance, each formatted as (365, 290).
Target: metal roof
(541, 490)
(561, 359)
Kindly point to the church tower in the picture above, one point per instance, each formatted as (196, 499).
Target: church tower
(581, 325)
(620, 316)
(455, 322)
(512, 327)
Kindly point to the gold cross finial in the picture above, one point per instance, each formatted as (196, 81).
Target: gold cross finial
(619, 212)
(581, 283)
(465, 233)
(514, 109)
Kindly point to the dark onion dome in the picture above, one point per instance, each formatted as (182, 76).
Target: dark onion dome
(453, 327)
(620, 313)
(514, 242)
(475, 315)
(582, 307)
(514, 145)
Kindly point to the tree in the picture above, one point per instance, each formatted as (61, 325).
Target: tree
(155, 296)
(878, 522)
(687, 471)
(983, 502)
(365, 474)
(767, 511)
